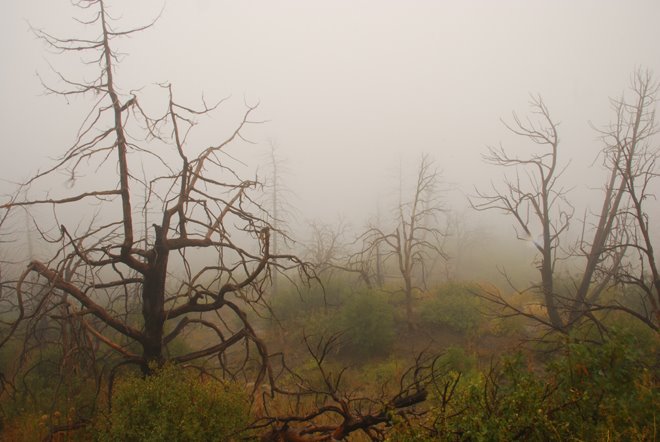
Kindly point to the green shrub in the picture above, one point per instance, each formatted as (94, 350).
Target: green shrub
(457, 359)
(509, 402)
(367, 320)
(453, 306)
(614, 385)
(174, 405)
(590, 392)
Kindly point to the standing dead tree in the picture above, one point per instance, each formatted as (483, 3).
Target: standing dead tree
(537, 202)
(415, 236)
(632, 151)
(276, 201)
(325, 246)
(328, 252)
(208, 257)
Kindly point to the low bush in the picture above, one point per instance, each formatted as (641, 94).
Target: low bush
(367, 320)
(174, 405)
(295, 302)
(454, 306)
(457, 359)
(614, 386)
(590, 392)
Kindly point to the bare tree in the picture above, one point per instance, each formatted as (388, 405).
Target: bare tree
(279, 210)
(329, 252)
(415, 236)
(459, 238)
(325, 246)
(536, 200)
(632, 152)
(209, 255)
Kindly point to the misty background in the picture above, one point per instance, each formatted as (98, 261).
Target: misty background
(351, 93)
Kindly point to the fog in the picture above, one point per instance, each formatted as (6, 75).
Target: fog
(352, 93)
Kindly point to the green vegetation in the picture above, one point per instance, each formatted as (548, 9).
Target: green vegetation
(589, 387)
(588, 392)
(454, 306)
(368, 322)
(176, 405)
(458, 360)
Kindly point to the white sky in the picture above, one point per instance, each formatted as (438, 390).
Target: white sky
(351, 89)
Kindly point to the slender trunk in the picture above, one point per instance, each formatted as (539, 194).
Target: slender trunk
(380, 279)
(409, 300)
(637, 200)
(122, 147)
(276, 215)
(648, 252)
(609, 211)
(549, 292)
(547, 264)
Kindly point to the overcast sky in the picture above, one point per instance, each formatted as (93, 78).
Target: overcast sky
(354, 91)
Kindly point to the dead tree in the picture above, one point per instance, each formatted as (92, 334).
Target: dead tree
(276, 193)
(535, 199)
(136, 288)
(329, 252)
(461, 239)
(632, 152)
(325, 246)
(415, 236)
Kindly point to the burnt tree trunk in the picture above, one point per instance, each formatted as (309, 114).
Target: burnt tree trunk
(153, 301)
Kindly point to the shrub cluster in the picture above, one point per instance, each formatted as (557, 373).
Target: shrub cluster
(174, 405)
(589, 392)
(454, 306)
(367, 320)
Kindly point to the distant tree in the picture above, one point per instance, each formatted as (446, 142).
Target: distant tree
(461, 239)
(278, 208)
(535, 198)
(329, 252)
(415, 236)
(325, 245)
(184, 247)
